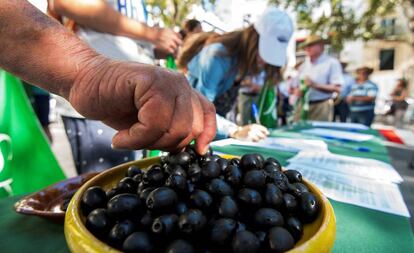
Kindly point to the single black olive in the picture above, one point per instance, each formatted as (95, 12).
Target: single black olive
(165, 224)
(260, 159)
(210, 170)
(192, 221)
(295, 227)
(144, 193)
(161, 199)
(176, 182)
(273, 196)
(124, 205)
(98, 222)
(266, 218)
(280, 180)
(219, 188)
(249, 162)
(194, 173)
(94, 197)
(228, 207)
(274, 162)
(233, 175)
(138, 242)
(138, 178)
(180, 246)
(223, 163)
(280, 240)
(178, 170)
(234, 161)
(296, 189)
(309, 206)
(222, 231)
(255, 179)
(249, 197)
(294, 176)
(120, 231)
(132, 171)
(127, 185)
(154, 176)
(290, 203)
(245, 242)
(201, 199)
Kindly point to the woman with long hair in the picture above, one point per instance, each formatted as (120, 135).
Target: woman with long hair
(216, 64)
(399, 104)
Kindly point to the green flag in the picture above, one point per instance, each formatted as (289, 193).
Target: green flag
(28, 163)
(267, 106)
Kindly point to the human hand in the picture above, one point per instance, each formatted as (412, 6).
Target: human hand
(166, 40)
(253, 132)
(349, 99)
(309, 82)
(151, 107)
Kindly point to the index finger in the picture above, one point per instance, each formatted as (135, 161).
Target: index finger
(209, 132)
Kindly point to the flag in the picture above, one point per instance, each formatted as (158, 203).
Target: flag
(29, 163)
(267, 106)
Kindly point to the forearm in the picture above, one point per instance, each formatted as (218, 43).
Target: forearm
(100, 16)
(363, 99)
(39, 50)
(328, 88)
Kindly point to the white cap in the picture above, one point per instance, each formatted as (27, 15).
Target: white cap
(275, 29)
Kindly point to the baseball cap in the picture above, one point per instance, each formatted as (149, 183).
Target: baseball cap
(275, 28)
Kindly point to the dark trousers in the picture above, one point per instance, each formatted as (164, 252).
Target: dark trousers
(363, 117)
(341, 110)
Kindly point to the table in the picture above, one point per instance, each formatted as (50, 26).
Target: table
(358, 229)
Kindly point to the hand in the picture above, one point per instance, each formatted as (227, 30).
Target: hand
(253, 132)
(255, 88)
(151, 107)
(309, 82)
(349, 99)
(167, 41)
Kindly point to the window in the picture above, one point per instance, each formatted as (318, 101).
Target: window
(388, 26)
(387, 59)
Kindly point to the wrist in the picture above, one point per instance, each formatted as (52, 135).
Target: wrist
(234, 130)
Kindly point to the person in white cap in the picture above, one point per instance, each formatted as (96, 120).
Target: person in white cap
(216, 64)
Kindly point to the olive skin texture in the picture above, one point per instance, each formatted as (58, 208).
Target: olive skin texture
(133, 171)
(183, 159)
(201, 199)
(219, 188)
(280, 240)
(296, 189)
(154, 176)
(275, 163)
(161, 199)
(146, 221)
(210, 170)
(245, 242)
(233, 175)
(260, 159)
(138, 242)
(249, 197)
(294, 176)
(273, 196)
(290, 203)
(192, 221)
(98, 222)
(127, 185)
(176, 182)
(178, 170)
(280, 180)
(120, 231)
(222, 230)
(266, 218)
(180, 246)
(124, 205)
(228, 207)
(181, 208)
(249, 162)
(223, 163)
(254, 179)
(234, 161)
(194, 173)
(111, 193)
(145, 192)
(94, 197)
(165, 224)
(309, 206)
(295, 227)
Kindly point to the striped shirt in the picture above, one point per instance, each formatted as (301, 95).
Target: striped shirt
(366, 89)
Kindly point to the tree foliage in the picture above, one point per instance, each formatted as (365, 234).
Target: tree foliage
(343, 22)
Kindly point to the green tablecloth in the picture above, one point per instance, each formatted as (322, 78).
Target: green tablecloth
(358, 229)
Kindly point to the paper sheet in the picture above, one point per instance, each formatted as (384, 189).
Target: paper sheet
(371, 194)
(337, 134)
(339, 125)
(355, 166)
(283, 144)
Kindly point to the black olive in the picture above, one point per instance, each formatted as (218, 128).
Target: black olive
(146, 221)
(138, 242)
(161, 199)
(190, 149)
(201, 199)
(194, 173)
(222, 231)
(309, 206)
(273, 196)
(192, 221)
(295, 227)
(296, 189)
(144, 193)
(270, 168)
(219, 188)
(249, 197)
(178, 170)
(249, 162)
(132, 171)
(294, 176)
(260, 158)
(210, 170)
(228, 207)
(290, 203)
(154, 176)
(181, 208)
(254, 179)
(138, 178)
(266, 218)
(275, 163)
(120, 231)
(223, 163)
(183, 159)
(240, 226)
(176, 182)
(98, 222)
(261, 235)
(124, 205)
(127, 185)
(165, 224)
(233, 175)
(280, 180)
(245, 242)
(234, 161)
(190, 187)
(111, 193)
(280, 240)
(94, 197)
(180, 246)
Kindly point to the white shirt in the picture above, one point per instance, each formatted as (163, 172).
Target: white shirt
(326, 70)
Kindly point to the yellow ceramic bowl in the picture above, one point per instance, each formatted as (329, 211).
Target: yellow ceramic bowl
(318, 236)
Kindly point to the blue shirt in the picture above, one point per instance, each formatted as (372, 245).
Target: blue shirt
(346, 88)
(367, 89)
(211, 71)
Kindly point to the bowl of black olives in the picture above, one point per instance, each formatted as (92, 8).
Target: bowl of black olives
(188, 203)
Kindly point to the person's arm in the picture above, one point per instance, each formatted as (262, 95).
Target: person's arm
(403, 95)
(228, 129)
(150, 106)
(360, 99)
(335, 81)
(100, 16)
